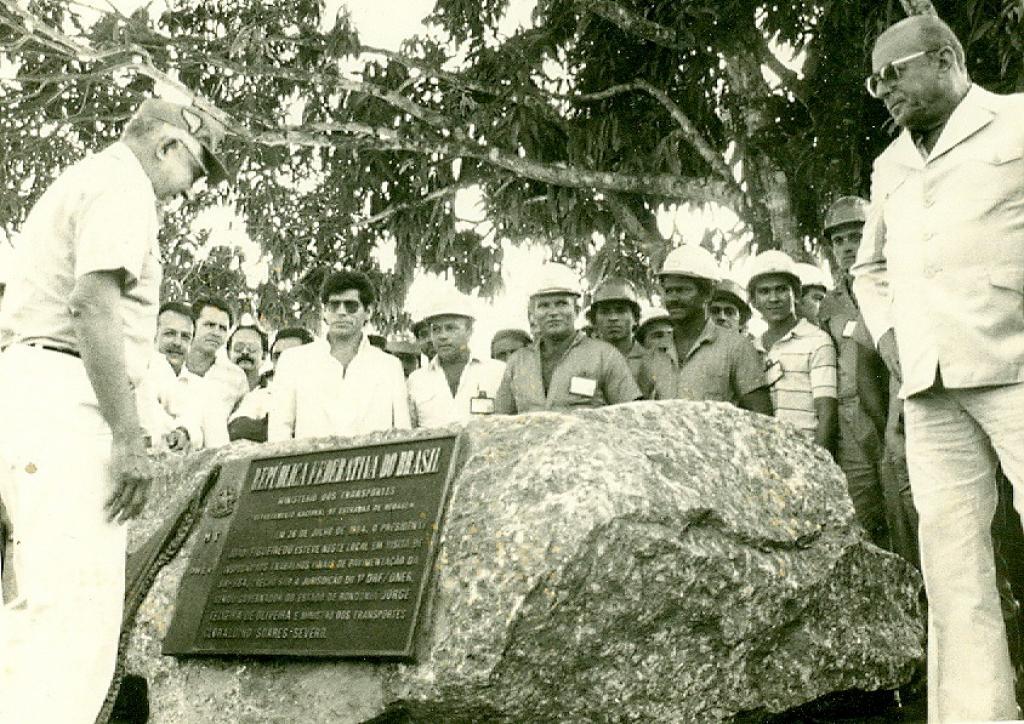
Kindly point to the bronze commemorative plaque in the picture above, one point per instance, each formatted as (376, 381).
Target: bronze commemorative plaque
(324, 554)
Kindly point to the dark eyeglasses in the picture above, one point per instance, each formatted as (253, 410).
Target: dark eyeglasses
(892, 71)
(351, 305)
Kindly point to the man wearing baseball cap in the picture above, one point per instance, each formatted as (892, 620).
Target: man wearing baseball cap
(564, 369)
(456, 384)
(78, 322)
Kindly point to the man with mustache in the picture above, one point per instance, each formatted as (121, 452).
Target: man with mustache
(168, 411)
(940, 281)
(614, 313)
(247, 347)
(801, 355)
(714, 363)
(729, 307)
(564, 369)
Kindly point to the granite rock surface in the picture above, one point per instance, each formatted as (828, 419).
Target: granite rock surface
(668, 561)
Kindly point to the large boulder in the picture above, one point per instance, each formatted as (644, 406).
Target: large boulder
(666, 561)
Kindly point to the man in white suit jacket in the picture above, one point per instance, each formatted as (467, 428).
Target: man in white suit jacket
(341, 385)
(940, 280)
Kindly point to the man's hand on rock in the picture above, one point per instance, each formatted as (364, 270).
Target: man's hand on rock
(177, 440)
(131, 472)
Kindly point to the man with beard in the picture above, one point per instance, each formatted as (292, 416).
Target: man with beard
(729, 307)
(341, 385)
(457, 384)
(225, 383)
(804, 393)
(939, 278)
(564, 369)
(714, 363)
(247, 348)
(614, 313)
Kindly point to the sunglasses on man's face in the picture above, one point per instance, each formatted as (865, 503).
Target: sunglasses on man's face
(892, 71)
(351, 306)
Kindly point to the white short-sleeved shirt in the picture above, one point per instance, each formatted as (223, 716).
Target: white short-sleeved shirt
(99, 215)
(431, 403)
(316, 396)
(806, 359)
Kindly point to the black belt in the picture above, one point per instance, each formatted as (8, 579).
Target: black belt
(62, 350)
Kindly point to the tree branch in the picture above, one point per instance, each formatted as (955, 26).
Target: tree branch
(655, 244)
(632, 22)
(789, 78)
(690, 132)
(395, 208)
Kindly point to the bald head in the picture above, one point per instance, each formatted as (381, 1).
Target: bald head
(921, 32)
(919, 72)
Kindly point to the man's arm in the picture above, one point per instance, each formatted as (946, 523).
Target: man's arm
(824, 393)
(759, 400)
(618, 382)
(400, 405)
(748, 379)
(98, 328)
(871, 282)
(281, 415)
(504, 402)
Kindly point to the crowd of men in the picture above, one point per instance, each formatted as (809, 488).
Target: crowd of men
(909, 369)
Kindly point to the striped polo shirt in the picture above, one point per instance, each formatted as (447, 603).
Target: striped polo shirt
(803, 366)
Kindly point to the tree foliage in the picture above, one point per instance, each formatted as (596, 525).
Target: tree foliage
(576, 130)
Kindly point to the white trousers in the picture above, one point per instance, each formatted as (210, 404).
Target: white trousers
(58, 637)
(954, 440)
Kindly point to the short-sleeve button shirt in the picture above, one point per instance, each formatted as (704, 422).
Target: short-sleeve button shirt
(522, 387)
(431, 403)
(653, 371)
(722, 365)
(99, 215)
(807, 359)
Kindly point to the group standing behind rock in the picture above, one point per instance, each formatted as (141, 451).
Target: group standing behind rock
(939, 277)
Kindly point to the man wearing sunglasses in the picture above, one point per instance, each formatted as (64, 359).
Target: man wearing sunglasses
(342, 384)
(78, 325)
(940, 278)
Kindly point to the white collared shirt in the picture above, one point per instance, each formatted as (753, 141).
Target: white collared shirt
(167, 401)
(431, 403)
(316, 396)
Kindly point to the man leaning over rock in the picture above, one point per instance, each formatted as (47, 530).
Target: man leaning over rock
(79, 321)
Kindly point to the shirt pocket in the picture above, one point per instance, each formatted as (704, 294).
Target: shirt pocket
(1008, 290)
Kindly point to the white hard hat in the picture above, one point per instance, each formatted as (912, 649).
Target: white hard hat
(690, 260)
(555, 278)
(450, 303)
(812, 276)
(773, 262)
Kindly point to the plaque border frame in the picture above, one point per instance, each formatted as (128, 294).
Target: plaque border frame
(181, 641)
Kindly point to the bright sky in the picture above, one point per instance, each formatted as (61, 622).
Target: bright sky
(387, 23)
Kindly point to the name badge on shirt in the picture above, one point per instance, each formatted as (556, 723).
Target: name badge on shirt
(850, 326)
(482, 405)
(582, 386)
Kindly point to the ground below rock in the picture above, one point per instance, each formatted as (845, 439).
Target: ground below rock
(668, 561)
